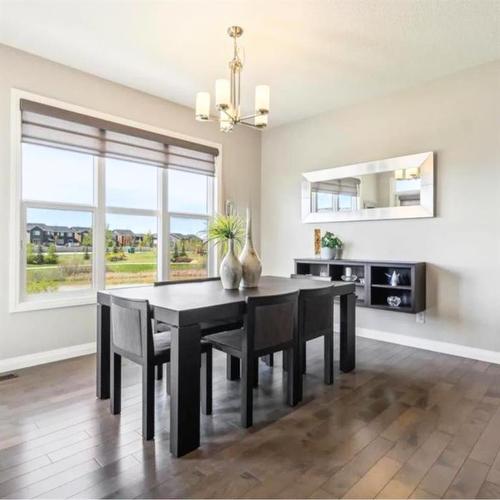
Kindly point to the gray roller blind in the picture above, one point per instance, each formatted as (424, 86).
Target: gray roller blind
(59, 128)
(347, 186)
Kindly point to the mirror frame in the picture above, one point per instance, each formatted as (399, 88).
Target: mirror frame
(424, 161)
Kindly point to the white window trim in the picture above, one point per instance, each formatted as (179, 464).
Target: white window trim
(18, 302)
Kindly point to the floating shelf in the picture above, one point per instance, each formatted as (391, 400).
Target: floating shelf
(375, 291)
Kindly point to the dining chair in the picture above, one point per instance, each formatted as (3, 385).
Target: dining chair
(315, 319)
(132, 338)
(207, 328)
(270, 325)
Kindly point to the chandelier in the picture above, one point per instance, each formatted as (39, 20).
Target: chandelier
(227, 95)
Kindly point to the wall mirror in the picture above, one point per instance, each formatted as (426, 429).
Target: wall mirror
(395, 188)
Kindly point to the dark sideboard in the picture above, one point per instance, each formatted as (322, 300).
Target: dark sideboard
(376, 288)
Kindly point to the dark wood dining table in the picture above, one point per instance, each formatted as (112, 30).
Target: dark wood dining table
(184, 306)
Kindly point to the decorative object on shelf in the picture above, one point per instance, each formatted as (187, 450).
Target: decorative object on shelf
(348, 276)
(394, 300)
(317, 242)
(406, 300)
(350, 279)
(250, 262)
(227, 95)
(362, 281)
(394, 278)
(331, 246)
(227, 231)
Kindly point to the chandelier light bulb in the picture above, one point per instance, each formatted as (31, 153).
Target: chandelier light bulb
(262, 97)
(202, 106)
(261, 120)
(222, 93)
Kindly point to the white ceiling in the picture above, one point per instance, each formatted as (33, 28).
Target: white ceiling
(316, 55)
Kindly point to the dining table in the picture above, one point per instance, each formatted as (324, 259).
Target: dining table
(184, 306)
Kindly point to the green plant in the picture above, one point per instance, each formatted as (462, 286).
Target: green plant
(329, 240)
(38, 258)
(223, 228)
(51, 257)
(183, 249)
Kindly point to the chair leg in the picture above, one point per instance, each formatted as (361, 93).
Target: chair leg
(167, 375)
(328, 358)
(232, 367)
(247, 368)
(116, 384)
(256, 372)
(159, 372)
(148, 401)
(206, 382)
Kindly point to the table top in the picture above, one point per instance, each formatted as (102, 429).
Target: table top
(186, 296)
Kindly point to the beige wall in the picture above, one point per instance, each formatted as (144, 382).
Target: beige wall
(31, 332)
(457, 117)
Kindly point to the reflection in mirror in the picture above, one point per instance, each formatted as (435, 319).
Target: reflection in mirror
(395, 188)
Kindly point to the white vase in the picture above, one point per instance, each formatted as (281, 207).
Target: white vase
(230, 269)
(250, 262)
(327, 253)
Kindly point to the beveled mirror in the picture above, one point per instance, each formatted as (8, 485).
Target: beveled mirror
(395, 188)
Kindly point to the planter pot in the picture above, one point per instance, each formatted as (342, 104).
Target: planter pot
(327, 253)
(230, 269)
(250, 262)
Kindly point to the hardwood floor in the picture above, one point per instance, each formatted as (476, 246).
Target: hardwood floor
(407, 423)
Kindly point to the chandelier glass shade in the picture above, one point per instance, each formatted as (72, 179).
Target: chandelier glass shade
(227, 96)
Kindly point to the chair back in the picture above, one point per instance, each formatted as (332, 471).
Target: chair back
(271, 322)
(175, 282)
(131, 330)
(315, 312)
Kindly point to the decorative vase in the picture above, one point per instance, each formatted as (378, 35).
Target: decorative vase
(250, 262)
(338, 253)
(230, 268)
(327, 253)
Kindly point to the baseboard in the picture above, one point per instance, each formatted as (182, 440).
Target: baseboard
(40, 358)
(431, 345)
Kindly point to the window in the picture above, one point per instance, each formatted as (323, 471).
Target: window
(106, 213)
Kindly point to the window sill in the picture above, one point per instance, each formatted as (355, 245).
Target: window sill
(54, 303)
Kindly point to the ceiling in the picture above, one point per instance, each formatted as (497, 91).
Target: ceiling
(316, 55)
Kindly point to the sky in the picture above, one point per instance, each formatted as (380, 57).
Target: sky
(63, 176)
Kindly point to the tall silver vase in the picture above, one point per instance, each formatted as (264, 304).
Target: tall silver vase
(250, 262)
(230, 268)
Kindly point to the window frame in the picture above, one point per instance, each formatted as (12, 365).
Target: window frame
(19, 300)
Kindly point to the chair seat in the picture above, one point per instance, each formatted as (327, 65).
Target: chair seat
(162, 342)
(230, 341)
(162, 327)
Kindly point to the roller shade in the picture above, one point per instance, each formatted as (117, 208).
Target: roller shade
(59, 128)
(348, 186)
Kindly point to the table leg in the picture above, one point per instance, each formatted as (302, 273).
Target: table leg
(185, 362)
(103, 352)
(347, 332)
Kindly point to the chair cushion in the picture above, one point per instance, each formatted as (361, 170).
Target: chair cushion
(162, 327)
(232, 340)
(161, 343)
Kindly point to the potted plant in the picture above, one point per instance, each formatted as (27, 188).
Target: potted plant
(331, 246)
(227, 231)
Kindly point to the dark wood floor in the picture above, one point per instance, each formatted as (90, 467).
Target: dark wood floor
(407, 423)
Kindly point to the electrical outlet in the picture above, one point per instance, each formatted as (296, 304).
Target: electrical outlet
(421, 317)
